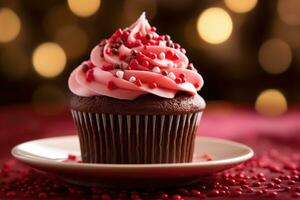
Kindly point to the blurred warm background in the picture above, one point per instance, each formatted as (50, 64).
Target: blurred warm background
(248, 51)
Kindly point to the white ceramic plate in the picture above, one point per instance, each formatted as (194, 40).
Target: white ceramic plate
(49, 155)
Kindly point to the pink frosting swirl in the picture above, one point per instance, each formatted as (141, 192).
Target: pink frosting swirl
(133, 62)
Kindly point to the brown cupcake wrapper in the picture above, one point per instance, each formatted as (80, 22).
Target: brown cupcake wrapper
(136, 139)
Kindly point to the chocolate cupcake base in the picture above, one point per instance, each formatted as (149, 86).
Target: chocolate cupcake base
(136, 139)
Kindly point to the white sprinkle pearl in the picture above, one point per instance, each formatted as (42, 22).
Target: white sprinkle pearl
(132, 79)
(162, 56)
(175, 65)
(170, 64)
(172, 75)
(120, 74)
(156, 69)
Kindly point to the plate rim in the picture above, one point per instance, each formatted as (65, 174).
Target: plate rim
(53, 163)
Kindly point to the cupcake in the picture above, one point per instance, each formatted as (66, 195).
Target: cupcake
(135, 100)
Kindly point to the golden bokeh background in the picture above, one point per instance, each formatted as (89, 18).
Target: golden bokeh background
(10, 25)
(84, 8)
(214, 25)
(49, 59)
(248, 51)
(271, 102)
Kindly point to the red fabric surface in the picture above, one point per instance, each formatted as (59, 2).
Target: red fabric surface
(275, 141)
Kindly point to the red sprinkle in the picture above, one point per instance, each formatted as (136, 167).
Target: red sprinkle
(90, 65)
(250, 190)
(145, 63)
(125, 35)
(290, 166)
(89, 75)
(196, 193)
(175, 57)
(223, 192)
(276, 180)
(122, 57)
(272, 194)
(287, 188)
(183, 50)
(164, 196)
(129, 44)
(138, 43)
(138, 82)
(296, 195)
(138, 35)
(177, 46)
(297, 188)
(140, 56)
(295, 177)
(178, 80)
(190, 66)
(245, 187)
(182, 75)
(285, 177)
(72, 157)
(207, 157)
(197, 85)
(151, 55)
(152, 85)
(108, 67)
(169, 55)
(260, 175)
(153, 28)
(176, 197)
(270, 185)
(118, 33)
(236, 193)
(108, 51)
(213, 193)
(277, 186)
(134, 64)
(256, 184)
(291, 182)
(111, 85)
(231, 182)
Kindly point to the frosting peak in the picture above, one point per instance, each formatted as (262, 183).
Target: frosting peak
(135, 61)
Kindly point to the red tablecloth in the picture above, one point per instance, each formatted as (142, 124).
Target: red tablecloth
(273, 173)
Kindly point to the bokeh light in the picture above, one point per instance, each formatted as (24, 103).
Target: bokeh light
(288, 33)
(275, 56)
(49, 59)
(271, 102)
(73, 40)
(289, 11)
(214, 25)
(84, 8)
(133, 8)
(10, 25)
(240, 6)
